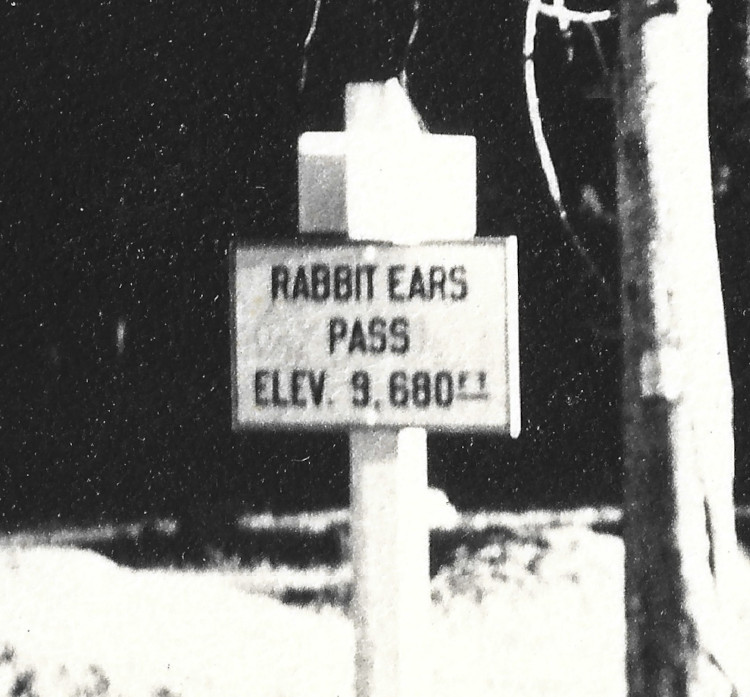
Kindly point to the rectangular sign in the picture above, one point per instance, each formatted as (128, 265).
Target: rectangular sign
(376, 335)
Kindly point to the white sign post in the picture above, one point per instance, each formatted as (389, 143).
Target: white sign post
(379, 338)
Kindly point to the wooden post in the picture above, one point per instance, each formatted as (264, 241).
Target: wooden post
(390, 534)
(679, 533)
(386, 180)
(390, 547)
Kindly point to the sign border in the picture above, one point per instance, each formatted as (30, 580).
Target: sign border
(511, 331)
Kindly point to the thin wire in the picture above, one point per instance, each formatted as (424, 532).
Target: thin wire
(306, 44)
(559, 12)
(599, 50)
(403, 77)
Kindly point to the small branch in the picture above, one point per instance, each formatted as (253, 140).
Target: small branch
(564, 16)
(416, 11)
(306, 44)
(596, 39)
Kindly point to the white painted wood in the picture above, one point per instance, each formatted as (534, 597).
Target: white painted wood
(404, 186)
(512, 338)
(390, 534)
(390, 547)
(321, 168)
(411, 189)
(292, 369)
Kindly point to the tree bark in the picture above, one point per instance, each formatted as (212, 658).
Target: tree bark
(746, 49)
(680, 540)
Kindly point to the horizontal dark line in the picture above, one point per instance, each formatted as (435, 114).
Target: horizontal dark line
(472, 397)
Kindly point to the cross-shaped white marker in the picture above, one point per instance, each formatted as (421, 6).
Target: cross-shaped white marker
(385, 179)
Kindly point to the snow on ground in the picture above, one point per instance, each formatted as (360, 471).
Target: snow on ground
(537, 617)
(190, 633)
(536, 624)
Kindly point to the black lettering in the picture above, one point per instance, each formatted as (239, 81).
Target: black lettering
(421, 389)
(301, 288)
(463, 377)
(357, 340)
(400, 332)
(317, 383)
(444, 389)
(276, 397)
(342, 283)
(279, 282)
(394, 280)
(297, 399)
(336, 332)
(437, 282)
(370, 275)
(261, 399)
(360, 382)
(398, 391)
(321, 282)
(482, 381)
(416, 287)
(376, 330)
(457, 276)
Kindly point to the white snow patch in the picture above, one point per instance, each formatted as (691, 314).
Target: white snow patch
(441, 513)
(64, 610)
(554, 627)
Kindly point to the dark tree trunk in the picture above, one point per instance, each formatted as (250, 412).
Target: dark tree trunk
(679, 534)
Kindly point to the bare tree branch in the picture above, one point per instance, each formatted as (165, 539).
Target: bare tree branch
(307, 42)
(564, 16)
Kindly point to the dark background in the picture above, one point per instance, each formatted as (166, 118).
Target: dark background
(139, 140)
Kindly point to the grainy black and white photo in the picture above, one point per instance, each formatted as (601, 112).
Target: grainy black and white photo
(374, 348)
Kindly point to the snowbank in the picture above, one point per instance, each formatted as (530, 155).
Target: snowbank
(538, 616)
(64, 610)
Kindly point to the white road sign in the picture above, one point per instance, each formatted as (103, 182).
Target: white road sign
(365, 335)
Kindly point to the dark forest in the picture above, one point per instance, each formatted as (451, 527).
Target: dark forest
(141, 140)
